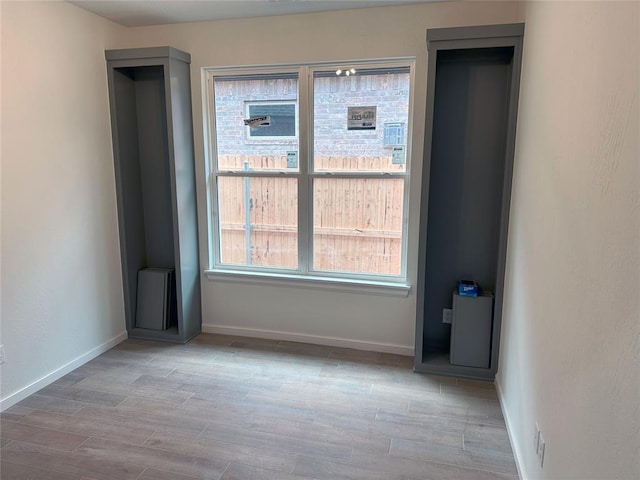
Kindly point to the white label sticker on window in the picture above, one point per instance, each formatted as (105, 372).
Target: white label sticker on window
(398, 155)
(263, 121)
(292, 159)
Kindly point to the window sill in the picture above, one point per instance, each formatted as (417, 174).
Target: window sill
(343, 285)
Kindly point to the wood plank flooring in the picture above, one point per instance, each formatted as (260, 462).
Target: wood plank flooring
(232, 408)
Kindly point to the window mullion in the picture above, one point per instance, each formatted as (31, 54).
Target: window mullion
(305, 213)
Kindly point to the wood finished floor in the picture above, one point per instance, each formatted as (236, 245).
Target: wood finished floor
(234, 408)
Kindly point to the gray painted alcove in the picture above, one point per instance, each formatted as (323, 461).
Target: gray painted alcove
(151, 122)
(472, 98)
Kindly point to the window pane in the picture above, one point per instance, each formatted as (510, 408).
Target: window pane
(258, 221)
(357, 225)
(281, 119)
(351, 114)
(256, 121)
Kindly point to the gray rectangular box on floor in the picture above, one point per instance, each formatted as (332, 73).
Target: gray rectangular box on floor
(155, 298)
(471, 330)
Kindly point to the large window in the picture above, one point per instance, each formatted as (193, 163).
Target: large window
(302, 179)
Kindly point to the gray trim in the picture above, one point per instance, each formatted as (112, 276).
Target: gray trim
(424, 213)
(139, 62)
(475, 32)
(510, 35)
(151, 121)
(473, 43)
(439, 365)
(147, 53)
(516, 64)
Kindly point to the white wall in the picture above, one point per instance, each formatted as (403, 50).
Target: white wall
(383, 323)
(61, 283)
(570, 352)
(571, 326)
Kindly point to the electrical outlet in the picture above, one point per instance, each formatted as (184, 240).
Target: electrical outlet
(540, 451)
(447, 315)
(1, 354)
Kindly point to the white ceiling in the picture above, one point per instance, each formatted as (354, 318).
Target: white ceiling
(135, 13)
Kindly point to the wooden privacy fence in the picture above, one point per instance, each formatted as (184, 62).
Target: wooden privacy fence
(357, 222)
(322, 162)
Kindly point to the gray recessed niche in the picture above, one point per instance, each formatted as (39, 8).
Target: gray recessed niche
(472, 98)
(151, 122)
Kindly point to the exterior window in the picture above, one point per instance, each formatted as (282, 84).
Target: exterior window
(334, 205)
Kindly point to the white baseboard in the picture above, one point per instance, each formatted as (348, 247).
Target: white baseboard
(517, 453)
(51, 377)
(313, 339)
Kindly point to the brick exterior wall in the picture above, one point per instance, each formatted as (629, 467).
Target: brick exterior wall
(332, 95)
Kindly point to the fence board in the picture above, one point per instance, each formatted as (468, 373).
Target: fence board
(357, 222)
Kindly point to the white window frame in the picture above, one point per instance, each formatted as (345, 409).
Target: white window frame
(305, 275)
(272, 138)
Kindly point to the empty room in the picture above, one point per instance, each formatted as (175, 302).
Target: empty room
(298, 239)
